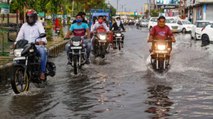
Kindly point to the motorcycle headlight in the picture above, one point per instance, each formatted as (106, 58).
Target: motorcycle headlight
(31, 50)
(75, 43)
(17, 52)
(118, 34)
(102, 36)
(161, 47)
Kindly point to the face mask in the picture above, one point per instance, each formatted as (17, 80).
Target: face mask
(78, 20)
(100, 21)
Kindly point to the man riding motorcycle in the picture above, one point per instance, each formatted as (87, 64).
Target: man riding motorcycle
(30, 31)
(117, 26)
(83, 14)
(161, 31)
(99, 26)
(79, 29)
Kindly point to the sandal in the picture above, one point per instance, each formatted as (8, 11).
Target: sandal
(42, 76)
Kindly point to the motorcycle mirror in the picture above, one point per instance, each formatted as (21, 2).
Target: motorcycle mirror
(42, 35)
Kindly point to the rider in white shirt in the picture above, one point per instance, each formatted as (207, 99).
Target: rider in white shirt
(100, 23)
(30, 31)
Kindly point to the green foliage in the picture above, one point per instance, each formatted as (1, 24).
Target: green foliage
(48, 30)
(51, 7)
(154, 13)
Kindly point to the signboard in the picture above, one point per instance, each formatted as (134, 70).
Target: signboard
(5, 8)
(124, 13)
(5, 11)
(168, 6)
(41, 14)
(167, 2)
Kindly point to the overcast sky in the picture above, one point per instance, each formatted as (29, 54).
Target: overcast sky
(128, 5)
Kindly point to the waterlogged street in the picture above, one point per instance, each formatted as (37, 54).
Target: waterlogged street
(124, 86)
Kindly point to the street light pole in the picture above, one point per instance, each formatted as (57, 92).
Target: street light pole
(149, 7)
(73, 7)
(117, 4)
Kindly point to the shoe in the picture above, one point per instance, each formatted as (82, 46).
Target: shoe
(87, 61)
(69, 62)
(42, 76)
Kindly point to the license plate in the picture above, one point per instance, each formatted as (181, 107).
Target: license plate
(102, 41)
(163, 52)
(75, 48)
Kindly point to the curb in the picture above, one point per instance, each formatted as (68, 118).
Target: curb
(6, 70)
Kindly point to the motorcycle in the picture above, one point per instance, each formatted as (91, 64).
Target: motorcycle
(77, 53)
(100, 44)
(118, 39)
(26, 66)
(160, 55)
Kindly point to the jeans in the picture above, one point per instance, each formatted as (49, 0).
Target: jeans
(87, 44)
(43, 55)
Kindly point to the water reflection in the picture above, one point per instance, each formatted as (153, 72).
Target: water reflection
(78, 99)
(159, 101)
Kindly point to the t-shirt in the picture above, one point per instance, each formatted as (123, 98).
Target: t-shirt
(161, 33)
(79, 30)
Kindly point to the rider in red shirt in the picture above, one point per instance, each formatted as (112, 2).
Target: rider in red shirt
(161, 31)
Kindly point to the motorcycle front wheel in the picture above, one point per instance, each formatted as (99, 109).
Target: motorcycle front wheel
(20, 81)
(119, 45)
(103, 51)
(75, 66)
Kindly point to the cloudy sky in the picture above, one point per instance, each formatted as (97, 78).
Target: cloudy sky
(128, 5)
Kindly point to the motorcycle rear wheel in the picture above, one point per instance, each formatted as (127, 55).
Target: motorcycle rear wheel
(20, 82)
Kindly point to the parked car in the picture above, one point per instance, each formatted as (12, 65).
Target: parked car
(186, 25)
(152, 22)
(207, 34)
(196, 30)
(144, 23)
(173, 25)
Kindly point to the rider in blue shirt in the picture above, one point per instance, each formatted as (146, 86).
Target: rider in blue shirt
(80, 29)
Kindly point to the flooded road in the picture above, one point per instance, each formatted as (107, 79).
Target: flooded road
(123, 87)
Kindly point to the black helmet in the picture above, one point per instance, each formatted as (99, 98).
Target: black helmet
(82, 13)
(118, 18)
(31, 17)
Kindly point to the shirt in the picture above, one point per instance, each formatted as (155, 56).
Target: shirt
(30, 33)
(79, 29)
(161, 33)
(96, 25)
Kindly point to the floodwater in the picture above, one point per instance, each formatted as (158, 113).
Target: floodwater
(123, 87)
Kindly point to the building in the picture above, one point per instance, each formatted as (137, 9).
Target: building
(170, 7)
(199, 10)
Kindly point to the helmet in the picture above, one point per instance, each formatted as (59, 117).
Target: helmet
(31, 17)
(118, 18)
